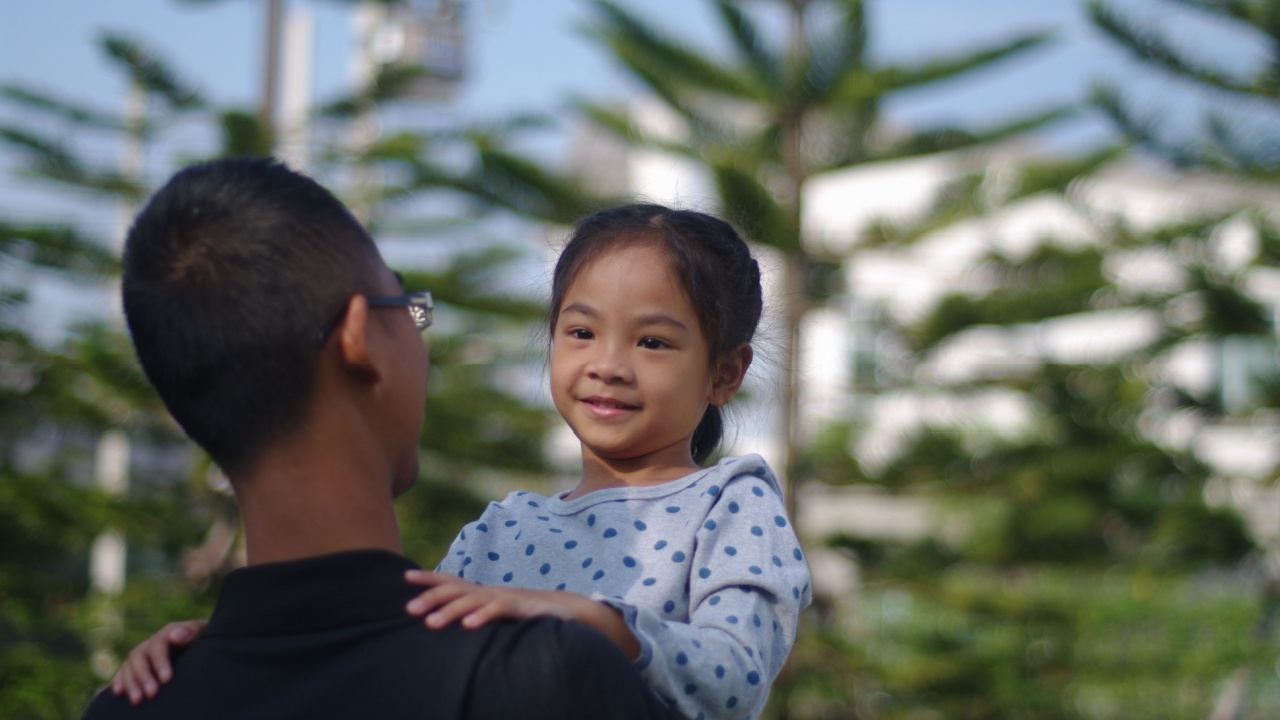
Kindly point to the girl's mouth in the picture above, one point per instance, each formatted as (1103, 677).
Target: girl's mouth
(607, 408)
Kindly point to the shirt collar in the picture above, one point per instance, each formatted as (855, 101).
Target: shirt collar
(313, 594)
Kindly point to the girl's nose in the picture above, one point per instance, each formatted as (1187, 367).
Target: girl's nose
(610, 366)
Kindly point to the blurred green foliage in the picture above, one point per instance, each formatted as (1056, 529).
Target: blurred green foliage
(1093, 579)
(58, 637)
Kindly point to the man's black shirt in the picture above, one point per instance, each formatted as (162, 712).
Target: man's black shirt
(328, 637)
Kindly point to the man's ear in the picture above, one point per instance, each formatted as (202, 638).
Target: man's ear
(727, 377)
(353, 337)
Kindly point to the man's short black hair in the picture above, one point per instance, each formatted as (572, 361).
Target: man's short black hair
(230, 273)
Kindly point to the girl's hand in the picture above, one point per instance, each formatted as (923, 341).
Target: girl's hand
(450, 598)
(137, 676)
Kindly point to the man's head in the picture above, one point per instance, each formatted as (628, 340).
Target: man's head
(232, 272)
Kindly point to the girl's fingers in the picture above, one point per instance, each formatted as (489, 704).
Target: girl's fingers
(183, 633)
(494, 610)
(142, 683)
(158, 655)
(435, 597)
(456, 608)
(428, 578)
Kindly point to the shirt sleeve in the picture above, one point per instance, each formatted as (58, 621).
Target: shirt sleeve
(748, 584)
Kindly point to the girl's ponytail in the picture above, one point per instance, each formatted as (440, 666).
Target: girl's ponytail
(707, 435)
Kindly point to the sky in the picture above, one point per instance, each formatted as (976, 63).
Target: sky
(531, 55)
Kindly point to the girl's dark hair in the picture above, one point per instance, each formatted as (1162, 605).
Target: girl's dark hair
(712, 264)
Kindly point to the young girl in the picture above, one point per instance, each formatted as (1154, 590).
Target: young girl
(694, 572)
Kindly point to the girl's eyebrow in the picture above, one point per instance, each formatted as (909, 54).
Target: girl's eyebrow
(646, 320)
(660, 319)
(581, 309)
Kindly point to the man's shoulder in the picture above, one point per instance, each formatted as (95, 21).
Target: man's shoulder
(106, 706)
(550, 668)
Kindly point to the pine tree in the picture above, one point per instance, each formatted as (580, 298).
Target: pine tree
(482, 426)
(1094, 578)
(780, 111)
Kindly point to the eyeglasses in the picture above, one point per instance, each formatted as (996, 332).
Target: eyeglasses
(420, 305)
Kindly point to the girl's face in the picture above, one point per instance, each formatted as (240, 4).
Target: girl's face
(630, 368)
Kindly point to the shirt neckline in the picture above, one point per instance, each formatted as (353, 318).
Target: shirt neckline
(558, 505)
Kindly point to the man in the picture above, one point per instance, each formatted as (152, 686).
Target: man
(266, 319)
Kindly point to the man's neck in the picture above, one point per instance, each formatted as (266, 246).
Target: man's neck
(298, 504)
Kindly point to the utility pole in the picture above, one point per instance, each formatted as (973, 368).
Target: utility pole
(290, 133)
(270, 68)
(109, 554)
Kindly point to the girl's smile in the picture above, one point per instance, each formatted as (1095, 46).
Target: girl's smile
(607, 409)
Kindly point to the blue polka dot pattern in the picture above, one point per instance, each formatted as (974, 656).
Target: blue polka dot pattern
(716, 530)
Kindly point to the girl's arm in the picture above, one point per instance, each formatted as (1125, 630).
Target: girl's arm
(451, 599)
(147, 667)
(748, 582)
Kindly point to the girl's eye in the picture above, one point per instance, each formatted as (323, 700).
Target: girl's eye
(580, 334)
(652, 344)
